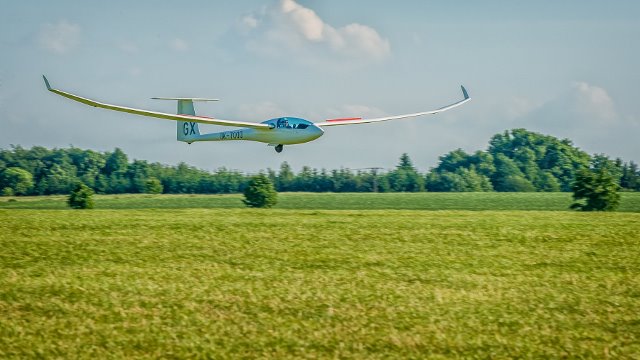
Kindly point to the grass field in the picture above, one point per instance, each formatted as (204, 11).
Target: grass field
(132, 281)
(331, 201)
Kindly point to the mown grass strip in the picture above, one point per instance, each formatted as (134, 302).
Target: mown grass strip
(331, 201)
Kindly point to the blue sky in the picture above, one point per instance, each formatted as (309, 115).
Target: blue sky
(567, 69)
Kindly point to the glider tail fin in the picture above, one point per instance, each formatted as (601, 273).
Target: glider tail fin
(186, 131)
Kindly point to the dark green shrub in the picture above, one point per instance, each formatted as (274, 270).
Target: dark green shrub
(81, 197)
(599, 189)
(260, 193)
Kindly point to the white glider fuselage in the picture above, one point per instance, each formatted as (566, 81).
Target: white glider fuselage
(285, 131)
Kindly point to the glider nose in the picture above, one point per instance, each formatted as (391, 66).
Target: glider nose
(316, 132)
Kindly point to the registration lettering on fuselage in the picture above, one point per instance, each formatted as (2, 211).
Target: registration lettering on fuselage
(232, 135)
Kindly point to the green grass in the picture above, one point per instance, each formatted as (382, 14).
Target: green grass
(243, 283)
(331, 201)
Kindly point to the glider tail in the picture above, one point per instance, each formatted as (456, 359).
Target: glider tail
(187, 131)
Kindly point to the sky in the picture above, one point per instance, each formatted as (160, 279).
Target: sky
(563, 68)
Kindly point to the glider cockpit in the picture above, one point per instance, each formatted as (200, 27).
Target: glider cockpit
(289, 123)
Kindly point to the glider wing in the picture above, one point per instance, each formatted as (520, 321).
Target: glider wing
(352, 121)
(159, 115)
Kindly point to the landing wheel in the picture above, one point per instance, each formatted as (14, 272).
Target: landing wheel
(279, 148)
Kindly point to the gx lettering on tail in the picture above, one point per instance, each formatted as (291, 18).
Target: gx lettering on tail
(189, 128)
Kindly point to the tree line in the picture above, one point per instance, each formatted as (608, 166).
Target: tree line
(515, 161)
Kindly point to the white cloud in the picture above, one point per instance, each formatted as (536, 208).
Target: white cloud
(59, 38)
(582, 106)
(304, 20)
(593, 101)
(296, 29)
(587, 115)
(179, 45)
(249, 22)
(361, 39)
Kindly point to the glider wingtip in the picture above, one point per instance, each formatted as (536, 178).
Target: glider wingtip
(46, 82)
(464, 92)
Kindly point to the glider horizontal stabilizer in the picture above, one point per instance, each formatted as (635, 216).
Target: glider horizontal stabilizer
(183, 98)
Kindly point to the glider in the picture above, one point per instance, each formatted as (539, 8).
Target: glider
(275, 132)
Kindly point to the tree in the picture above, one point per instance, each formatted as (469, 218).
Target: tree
(516, 160)
(304, 180)
(117, 162)
(88, 163)
(630, 176)
(60, 179)
(344, 180)
(260, 193)
(138, 172)
(473, 181)
(453, 160)
(81, 197)
(401, 180)
(612, 167)
(545, 181)
(508, 177)
(598, 188)
(115, 169)
(405, 163)
(153, 186)
(20, 181)
(514, 183)
(405, 177)
(462, 180)
(533, 154)
(285, 177)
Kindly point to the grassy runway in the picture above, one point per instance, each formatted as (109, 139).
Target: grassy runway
(300, 283)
